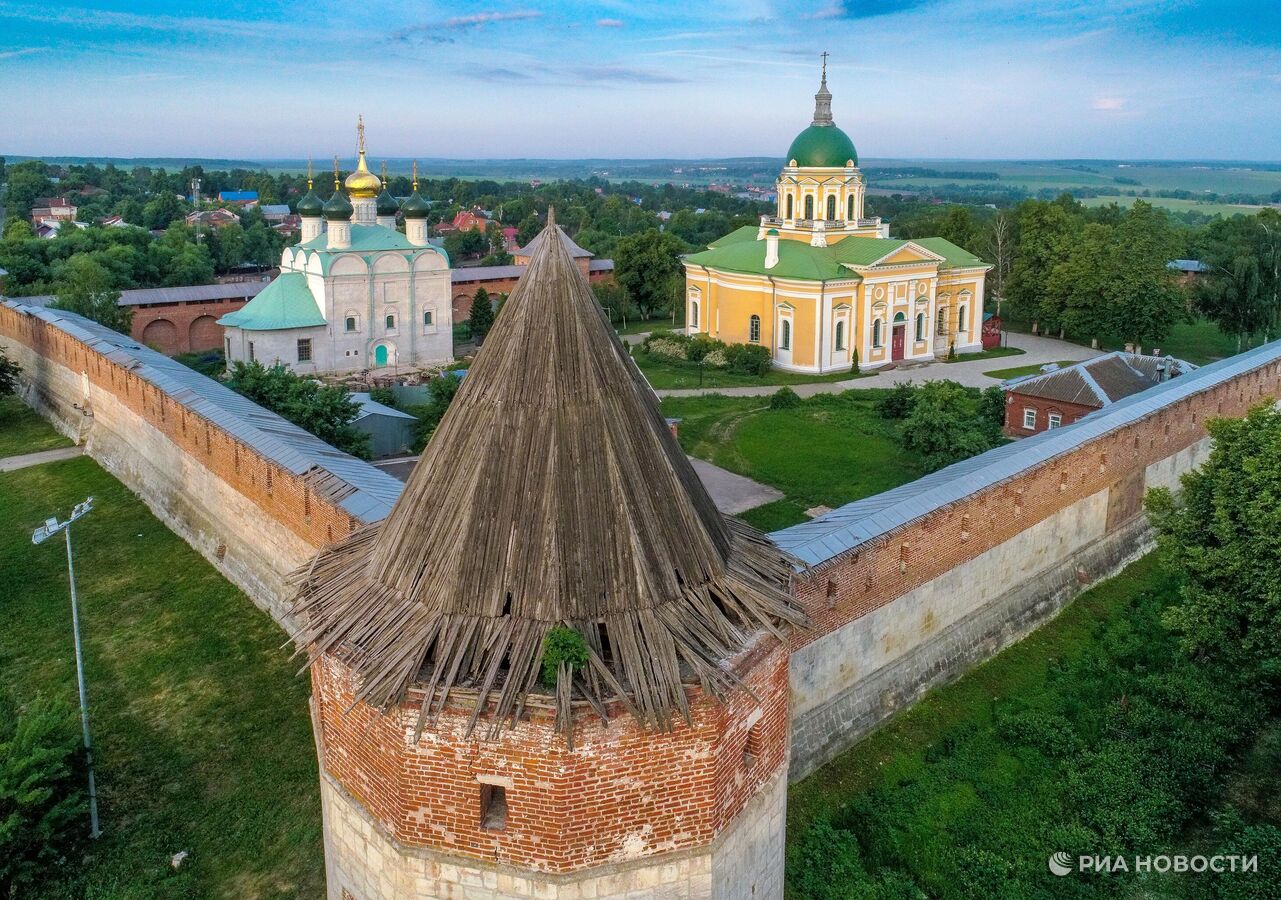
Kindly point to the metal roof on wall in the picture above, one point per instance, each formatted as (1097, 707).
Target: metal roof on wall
(359, 488)
(823, 538)
(232, 290)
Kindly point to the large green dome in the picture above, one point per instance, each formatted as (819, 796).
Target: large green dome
(822, 146)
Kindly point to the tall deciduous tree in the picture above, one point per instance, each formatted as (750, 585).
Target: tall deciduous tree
(1144, 302)
(1223, 534)
(645, 265)
(326, 411)
(85, 287)
(1044, 232)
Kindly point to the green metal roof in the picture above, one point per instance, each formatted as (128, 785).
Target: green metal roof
(957, 257)
(739, 251)
(746, 233)
(822, 146)
(285, 303)
(796, 259)
(364, 238)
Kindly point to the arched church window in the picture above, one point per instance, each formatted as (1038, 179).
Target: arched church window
(942, 320)
(831, 209)
(961, 324)
(390, 322)
(840, 335)
(920, 326)
(876, 334)
(754, 329)
(693, 313)
(790, 200)
(785, 335)
(349, 324)
(809, 207)
(850, 214)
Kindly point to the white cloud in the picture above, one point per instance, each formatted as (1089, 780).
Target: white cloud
(609, 23)
(1109, 104)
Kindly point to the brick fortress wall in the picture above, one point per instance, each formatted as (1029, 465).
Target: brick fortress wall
(252, 519)
(913, 608)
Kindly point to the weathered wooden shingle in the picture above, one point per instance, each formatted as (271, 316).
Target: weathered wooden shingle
(552, 493)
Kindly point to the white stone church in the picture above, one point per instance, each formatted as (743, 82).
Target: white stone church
(354, 294)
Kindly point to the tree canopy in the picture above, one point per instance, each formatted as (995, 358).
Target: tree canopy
(326, 411)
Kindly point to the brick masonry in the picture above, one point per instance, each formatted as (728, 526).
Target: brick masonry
(1016, 403)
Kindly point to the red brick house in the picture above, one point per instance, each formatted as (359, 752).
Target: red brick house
(468, 220)
(1061, 396)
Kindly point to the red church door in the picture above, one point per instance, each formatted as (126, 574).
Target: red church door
(896, 343)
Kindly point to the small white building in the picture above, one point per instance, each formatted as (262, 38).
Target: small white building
(357, 295)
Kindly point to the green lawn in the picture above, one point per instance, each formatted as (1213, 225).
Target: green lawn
(1019, 371)
(1198, 342)
(967, 792)
(665, 374)
(22, 430)
(832, 450)
(203, 741)
(643, 326)
(994, 353)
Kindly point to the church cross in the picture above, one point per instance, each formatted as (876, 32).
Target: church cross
(825, 55)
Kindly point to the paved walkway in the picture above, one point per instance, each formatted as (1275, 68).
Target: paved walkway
(1037, 352)
(10, 463)
(730, 492)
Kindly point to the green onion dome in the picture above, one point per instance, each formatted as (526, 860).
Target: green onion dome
(822, 147)
(338, 208)
(387, 205)
(311, 205)
(415, 207)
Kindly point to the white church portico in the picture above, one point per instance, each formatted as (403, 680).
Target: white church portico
(355, 294)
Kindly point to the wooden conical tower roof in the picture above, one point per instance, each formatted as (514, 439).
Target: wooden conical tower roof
(551, 494)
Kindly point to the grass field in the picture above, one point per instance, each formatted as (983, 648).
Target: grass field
(675, 374)
(1020, 371)
(1207, 207)
(994, 353)
(967, 792)
(23, 431)
(202, 737)
(832, 450)
(1199, 341)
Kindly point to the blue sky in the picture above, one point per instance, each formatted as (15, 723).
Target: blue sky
(911, 78)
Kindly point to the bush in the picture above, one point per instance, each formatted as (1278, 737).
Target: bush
(1047, 733)
(442, 392)
(941, 428)
(700, 345)
(854, 362)
(41, 805)
(784, 398)
(992, 406)
(825, 864)
(716, 359)
(748, 359)
(384, 395)
(897, 402)
(1263, 841)
(668, 348)
(1116, 793)
(562, 645)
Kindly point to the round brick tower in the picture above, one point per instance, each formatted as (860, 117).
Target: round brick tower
(454, 763)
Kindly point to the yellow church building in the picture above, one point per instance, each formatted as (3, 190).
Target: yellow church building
(818, 280)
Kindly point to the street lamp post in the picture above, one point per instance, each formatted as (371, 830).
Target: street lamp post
(44, 532)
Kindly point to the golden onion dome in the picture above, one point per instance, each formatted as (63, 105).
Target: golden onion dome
(362, 182)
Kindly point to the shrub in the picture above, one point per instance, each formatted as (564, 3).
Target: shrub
(897, 402)
(700, 345)
(784, 398)
(1263, 841)
(384, 395)
(1047, 733)
(941, 428)
(854, 362)
(825, 864)
(1115, 792)
(562, 645)
(40, 802)
(748, 359)
(716, 359)
(667, 348)
(992, 406)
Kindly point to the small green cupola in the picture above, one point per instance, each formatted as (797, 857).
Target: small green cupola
(386, 203)
(415, 207)
(310, 206)
(822, 145)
